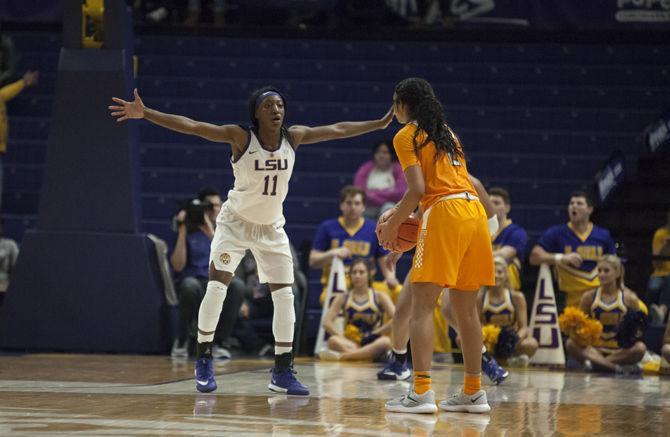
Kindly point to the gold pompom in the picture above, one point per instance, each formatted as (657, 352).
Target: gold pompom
(353, 333)
(490, 335)
(571, 319)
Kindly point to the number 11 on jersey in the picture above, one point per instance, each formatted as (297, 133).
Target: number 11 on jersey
(267, 185)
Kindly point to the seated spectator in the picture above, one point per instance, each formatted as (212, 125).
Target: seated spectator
(609, 303)
(659, 282)
(9, 251)
(347, 236)
(575, 249)
(364, 313)
(503, 306)
(190, 261)
(510, 240)
(382, 180)
(258, 303)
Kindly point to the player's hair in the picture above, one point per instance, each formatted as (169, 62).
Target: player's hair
(206, 192)
(615, 262)
(389, 145)
(501, 192)
(351, 190)
(424, 108)
(368, 267)
(252, 108)
(585, 195)
(501, 261)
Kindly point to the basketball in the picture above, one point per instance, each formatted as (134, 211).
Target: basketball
(407, 234)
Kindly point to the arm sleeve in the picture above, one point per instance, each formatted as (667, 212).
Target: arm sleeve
(519, 241)
(403, 144)
(321, 241)
(10, 91)
(549, 241)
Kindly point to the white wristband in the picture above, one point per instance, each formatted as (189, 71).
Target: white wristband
(558, 257)
(493, 224)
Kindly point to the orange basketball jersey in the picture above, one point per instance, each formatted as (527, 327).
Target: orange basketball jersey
(444, 176)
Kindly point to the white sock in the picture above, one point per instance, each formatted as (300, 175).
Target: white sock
(283, 320)
(398, 351)
(210, 310)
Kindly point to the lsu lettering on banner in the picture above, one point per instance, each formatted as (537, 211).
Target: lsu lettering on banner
(336, 284)
(544, 321)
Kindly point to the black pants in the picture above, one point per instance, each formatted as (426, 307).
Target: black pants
(191, 291)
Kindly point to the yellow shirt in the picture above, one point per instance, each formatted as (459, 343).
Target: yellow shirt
(660, 237)
(7, 93)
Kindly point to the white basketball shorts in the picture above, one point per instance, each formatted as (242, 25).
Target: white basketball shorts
(268, 243)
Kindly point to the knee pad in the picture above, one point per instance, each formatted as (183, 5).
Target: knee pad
(216, 288)
(284, 313)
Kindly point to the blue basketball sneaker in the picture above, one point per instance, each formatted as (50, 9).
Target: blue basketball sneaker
(394, 371)
(204, 375)
(284, 381)
(493, 370)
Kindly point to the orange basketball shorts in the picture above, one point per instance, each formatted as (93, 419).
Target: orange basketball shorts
(454, 246)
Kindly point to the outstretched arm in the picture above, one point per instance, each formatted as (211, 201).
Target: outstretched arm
(234, 135)
(344, 129)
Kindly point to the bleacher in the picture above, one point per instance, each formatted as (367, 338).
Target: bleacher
(538, 119)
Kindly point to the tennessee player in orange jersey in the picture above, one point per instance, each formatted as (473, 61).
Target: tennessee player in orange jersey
(453, 248)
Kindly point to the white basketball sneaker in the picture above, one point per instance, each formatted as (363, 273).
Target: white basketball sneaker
(413, 403)
(475, 403)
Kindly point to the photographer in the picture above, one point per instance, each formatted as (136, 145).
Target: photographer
(190, 261)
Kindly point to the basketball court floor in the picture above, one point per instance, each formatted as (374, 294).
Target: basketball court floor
(65, 395)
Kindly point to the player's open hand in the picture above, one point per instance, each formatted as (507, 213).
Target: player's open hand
(388, 118)
(134, 109)
(386, 215)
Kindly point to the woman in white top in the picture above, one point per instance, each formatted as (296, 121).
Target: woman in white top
(252, 218)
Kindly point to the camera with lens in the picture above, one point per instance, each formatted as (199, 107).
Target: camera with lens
(195, 213)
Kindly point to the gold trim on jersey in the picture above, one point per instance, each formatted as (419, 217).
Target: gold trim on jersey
(608, 342)
(506, 304)
(572, 280)
(369, 304)
(500, 229)
(352, 230)
(584, 235)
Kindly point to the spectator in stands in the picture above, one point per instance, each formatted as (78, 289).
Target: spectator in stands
(510, 240)
(190, 261)
(347, 236)
(258, 302)
(575, 249)
(659, 282)
(7, 93)
(608, 304)
(7, 59)
(9, 251)
(368, 315)
(382, 180)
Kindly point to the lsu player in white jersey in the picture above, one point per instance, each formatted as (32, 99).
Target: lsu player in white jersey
(252, 218)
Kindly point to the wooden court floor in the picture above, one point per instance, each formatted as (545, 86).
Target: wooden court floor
(103, 395)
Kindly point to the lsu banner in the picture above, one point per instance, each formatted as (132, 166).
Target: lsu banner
(544, 322)
(336, 284)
